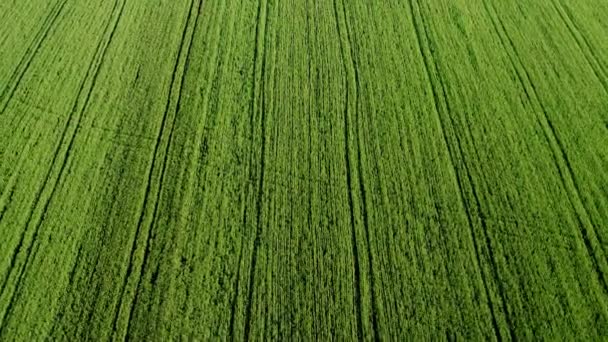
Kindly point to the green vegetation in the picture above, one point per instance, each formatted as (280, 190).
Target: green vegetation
(303, 170)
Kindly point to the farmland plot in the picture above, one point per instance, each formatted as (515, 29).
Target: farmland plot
(264, 169)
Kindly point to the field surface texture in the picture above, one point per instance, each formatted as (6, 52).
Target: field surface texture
(303, 170)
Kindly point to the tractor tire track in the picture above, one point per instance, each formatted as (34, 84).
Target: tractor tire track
(440, 101)
(362, 191)
(92, 73)
(259, 61)
(558, 152)
(10, 90)
(196, 161)
(349, 184)
(205, 129)
(177, 77)
(199, 156)
(29, 55)
(54, 330)
(575, 31)
(233, 301)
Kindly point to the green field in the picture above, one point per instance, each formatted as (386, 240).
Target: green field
(303, 170)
